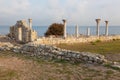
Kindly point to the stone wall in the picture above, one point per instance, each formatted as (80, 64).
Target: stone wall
(71, 40)
(54, 53)
(51, 52)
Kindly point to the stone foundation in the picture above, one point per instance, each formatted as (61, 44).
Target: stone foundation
(70, 40)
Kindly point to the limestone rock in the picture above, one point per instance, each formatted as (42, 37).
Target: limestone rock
(51, 52)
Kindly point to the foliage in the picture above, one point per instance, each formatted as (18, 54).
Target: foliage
(55, 29)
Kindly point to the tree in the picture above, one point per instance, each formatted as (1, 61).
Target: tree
(55, 29)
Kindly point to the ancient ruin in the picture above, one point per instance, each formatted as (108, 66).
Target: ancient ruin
(106, 30)
(23, 32)
(77, 31)
(88, 31)
(64, 23)
(98, 22)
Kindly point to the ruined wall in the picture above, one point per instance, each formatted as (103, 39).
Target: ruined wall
(71, 40)
(22, 32)
(54, 53)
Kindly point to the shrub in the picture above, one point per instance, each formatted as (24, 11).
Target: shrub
(97, 41)
(55, 29)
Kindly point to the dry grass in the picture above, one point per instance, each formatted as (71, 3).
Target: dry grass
(22, 67)
(111, 49)
(96, 47)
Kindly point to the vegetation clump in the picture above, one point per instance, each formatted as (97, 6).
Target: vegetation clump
(94, 43)
(55, 29)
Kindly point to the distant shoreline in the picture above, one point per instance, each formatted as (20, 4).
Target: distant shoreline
(113, 30)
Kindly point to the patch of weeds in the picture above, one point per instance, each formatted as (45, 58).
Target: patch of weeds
(88, 79)
(97, 41)
(114, 39)
(28, 57)
(61, 61)
(64, 71)
(92, 70)
(51, 79)
(60, 71)
(110, 66)
(93, 43)
(109, 72)
(76, 63)
(6, 74)
(115, 68)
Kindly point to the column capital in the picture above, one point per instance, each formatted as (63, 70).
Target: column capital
(106, 22)
(98, 20)
(30, 20)
(64, 20)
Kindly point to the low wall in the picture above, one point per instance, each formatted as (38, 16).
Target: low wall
(50, 52)
(74, 40)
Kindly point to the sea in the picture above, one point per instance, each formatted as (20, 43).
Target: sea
(113, 30)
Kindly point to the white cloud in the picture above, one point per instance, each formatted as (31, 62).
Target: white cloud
(44, 12)
(13, 6)
(12, 10)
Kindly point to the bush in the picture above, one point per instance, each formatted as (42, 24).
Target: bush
(55, 29)
(97, 41)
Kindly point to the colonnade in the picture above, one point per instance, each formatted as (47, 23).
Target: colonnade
(88, 29)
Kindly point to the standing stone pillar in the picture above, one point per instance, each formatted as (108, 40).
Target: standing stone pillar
(64, 23)
(76, 31)
(106, 30)
(88, 31)
(30, 23)
(98, 22)
(19, 34)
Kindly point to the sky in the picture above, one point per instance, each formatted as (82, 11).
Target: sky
(46, 12)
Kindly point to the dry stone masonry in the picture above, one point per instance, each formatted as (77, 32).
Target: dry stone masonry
(51, 52)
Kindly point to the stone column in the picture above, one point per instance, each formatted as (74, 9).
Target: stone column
(106, 30)
(98, 22)
(76, 31)
(19, 34)
(64, 23)
(88, 31)
(30, 23)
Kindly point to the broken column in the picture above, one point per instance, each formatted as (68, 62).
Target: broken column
(64, 23)
(19, 34)
(106, 30)
(76, 31)
(97, 31)
(30, 23)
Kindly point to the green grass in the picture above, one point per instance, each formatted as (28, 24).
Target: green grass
(7, 74)
(95, 47)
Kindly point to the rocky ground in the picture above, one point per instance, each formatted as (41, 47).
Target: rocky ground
(15, 66)
(22, 67)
